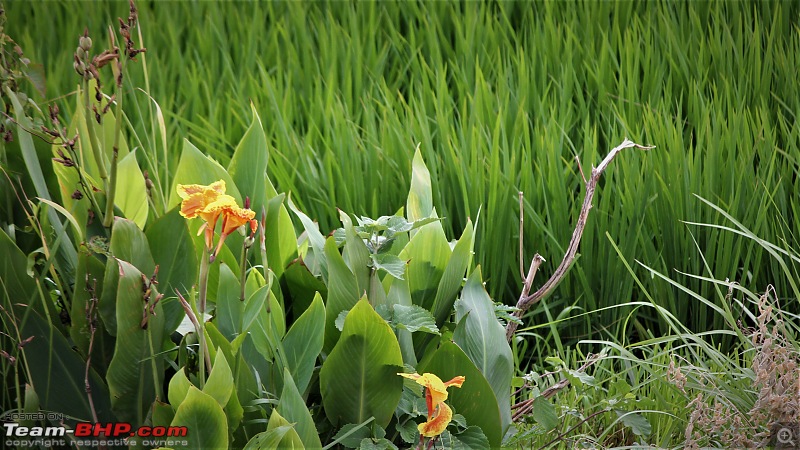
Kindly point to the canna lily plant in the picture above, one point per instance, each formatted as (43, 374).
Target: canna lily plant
(210, 203)
(439, 414)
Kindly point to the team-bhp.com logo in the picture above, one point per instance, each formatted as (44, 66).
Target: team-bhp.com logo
(93, 435)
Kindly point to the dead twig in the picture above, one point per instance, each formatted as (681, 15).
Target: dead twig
(528, 300)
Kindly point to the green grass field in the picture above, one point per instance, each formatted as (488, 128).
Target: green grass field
(501, 97)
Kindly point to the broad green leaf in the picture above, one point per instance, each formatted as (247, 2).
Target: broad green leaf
(475, 399)
(470, 439)
(420, 200)
(163, 414)
(302, 286)
(399, 295)
(67, 249)
(276, 438)
(340, 320)
(68, 183)
(131, 194)
(453, 275)
(90, 268)
(293, 408)
(414, 318)
(130, 373)
(580, 379)
(79, 230)
(248, 166)
(355, 253)
(409, 432)
(376, 444)
(219, 342)
(281, 240)
(544, 413)
(395, 266)
(483, 340)
(220, 381)
(269, 325)
(303, 343)
(316, 239)
(57, 371)
(359, 378)
(342, 292)
(230, 310)
(252, 308)
(636, 422)
(196, 168)
(173, 251)
(351, 435)
(205, 420)
(128, 243)
(427, 254)
(291, 440)
(178, 388)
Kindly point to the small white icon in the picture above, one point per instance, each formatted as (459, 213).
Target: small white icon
(785, 437)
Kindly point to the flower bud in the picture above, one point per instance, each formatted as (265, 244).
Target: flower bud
(85, 43)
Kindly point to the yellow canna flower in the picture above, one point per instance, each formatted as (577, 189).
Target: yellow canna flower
(439, 414)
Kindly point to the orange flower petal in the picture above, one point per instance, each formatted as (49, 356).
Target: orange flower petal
(212, 210)
(196, 198)
(438, 423)
(235, 217)
(456, 381)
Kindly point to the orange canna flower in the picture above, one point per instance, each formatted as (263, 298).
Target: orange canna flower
(209, 203)
(233, 218)
(439, 414)
(196, 197)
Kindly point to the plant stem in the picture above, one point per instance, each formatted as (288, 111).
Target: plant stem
(243, 271)
(156, 384)
(92, 329)
(112, 181)
(203, 285)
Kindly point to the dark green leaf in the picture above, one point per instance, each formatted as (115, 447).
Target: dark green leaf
(483, 339)
(635, 421)
(303, 343)
(173, 251)
(359, 378)
(342, 292)
(544, 413)
(293, 408)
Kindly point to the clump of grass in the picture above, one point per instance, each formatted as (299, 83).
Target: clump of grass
(774, 366)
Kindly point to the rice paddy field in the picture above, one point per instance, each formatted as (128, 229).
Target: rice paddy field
(686, 280)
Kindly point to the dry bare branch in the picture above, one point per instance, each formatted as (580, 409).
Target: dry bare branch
(526, 301)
